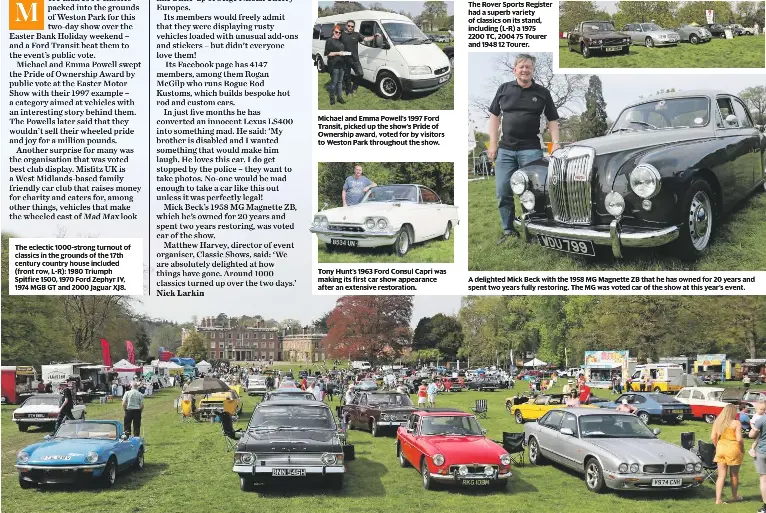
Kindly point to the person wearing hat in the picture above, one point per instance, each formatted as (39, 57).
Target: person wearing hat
(626, 407)
(567, 387)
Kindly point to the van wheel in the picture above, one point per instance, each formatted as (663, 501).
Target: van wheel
(388, 86)
(319, 63)
(448, 232)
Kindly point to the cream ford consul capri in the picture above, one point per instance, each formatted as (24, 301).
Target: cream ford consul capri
(388, 215)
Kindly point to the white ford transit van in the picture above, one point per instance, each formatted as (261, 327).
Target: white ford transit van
(403, 59)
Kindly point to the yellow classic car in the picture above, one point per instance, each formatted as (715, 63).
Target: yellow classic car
(525, 408)
(239, 389)
(227, 401)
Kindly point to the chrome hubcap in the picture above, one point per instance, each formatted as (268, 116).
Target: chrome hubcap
(648, 43)
(533, 451)
(404, 242)
(388, 86)
(111, 474)
(592, 475)
(700, 224)
(644, 418)
(141, 460)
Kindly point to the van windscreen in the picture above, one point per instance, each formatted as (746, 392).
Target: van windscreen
(402, 33)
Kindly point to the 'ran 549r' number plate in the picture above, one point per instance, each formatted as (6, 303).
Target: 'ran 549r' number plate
(579, 247)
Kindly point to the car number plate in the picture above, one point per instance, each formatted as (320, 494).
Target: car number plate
(678, 411)
(475, 482)
(443, 79)
(344, 242)
(288, 472)
(613, 48)
(667, 482)
(36, 415)
(579, 247)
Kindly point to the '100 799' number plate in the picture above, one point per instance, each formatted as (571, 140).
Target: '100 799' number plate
(579, 247)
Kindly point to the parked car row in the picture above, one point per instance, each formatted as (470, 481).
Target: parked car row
(601, 37)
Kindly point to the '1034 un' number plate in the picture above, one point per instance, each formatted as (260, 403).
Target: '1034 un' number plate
(578, 247)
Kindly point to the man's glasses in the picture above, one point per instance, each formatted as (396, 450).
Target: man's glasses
(350, 26)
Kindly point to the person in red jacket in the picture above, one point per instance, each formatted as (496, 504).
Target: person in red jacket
(584, 393)
(303, 384)
(422, 395)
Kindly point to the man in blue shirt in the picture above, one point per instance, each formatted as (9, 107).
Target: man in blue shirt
(759, 434)
(355, 187)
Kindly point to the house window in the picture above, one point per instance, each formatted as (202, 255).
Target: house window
(212, 345)
(229, 335)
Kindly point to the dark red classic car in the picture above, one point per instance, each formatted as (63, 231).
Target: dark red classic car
(449, 446)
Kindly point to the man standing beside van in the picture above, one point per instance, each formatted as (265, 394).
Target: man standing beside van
(514, 132)
(351, 40)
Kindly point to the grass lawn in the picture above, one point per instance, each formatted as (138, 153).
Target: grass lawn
(365, 98)
(187, 469)
(739, 246)
(740, 52)
(434, 251)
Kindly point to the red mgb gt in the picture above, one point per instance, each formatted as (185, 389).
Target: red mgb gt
(450, 447)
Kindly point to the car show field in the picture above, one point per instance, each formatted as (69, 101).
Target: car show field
(189, 461)
(740, 52)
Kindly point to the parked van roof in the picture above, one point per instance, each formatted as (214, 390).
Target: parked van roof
(370, 15)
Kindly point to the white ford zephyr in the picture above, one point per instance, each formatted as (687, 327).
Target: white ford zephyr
(388, 215)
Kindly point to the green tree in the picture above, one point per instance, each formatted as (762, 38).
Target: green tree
(755, 99)
(194, 347)
(442, 332)
(594, 117)
(694, 12)
(321, 324)
(571, 13)
(661, 13)
(142, 343)
(293, 326)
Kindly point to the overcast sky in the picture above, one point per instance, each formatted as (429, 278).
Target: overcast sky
(413, 8)
(611, 7)
(619, 90)
(303, 307)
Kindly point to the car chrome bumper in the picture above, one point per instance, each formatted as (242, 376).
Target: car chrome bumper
(384, 423)
(613, 235)
(644, 481)
(456, 479)
(366, 239)
(60, 467)
(310, 470)
(41, 420)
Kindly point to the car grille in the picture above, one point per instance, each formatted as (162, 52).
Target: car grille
(474, 470)
(613, 42)
(659, 468)
(271, 460)
(441, 71)
(395, 416)
(569, 186)
(210, 405)
(346, 228)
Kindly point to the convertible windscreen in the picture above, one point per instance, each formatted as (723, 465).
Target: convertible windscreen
(87, 430)
(292, 417)
(664, 114)
(390, 400)
(387, 193)
(405, 33)
(613, 426)
(445, 425)
(42, 401)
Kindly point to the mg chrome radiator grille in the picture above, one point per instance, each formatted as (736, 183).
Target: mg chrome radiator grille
(569, 185)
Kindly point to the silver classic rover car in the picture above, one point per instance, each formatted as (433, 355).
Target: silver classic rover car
(668, 170)
(613, 449)
(650, 35)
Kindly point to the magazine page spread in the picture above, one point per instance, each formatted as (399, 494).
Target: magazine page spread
(408, 254)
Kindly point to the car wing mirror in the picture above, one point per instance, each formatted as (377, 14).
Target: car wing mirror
(483, 431)
(567, 431)
(761, 128)
(383, 44)
(732, 120)
(410, 430)
(123, 437)
(656, 431)
(48, 437)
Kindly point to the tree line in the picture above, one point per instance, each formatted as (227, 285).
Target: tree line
(558, 329)
(433, 17)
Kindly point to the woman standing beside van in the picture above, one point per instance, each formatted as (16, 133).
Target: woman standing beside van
(336, 64)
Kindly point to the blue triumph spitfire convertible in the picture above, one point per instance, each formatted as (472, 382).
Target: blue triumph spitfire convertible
(80, 450)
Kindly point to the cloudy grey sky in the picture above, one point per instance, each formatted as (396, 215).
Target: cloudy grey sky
(611, 7)
(413, 8)
(618, 90)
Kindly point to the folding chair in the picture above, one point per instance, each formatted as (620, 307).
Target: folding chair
(230, 435)
(706, 452)
(688, 440)
(480, 408)
(514, 444)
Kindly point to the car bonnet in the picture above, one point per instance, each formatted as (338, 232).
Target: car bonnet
(643, 450)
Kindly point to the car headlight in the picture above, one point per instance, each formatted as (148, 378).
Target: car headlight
(527, 200)
(663, 36)
(698, 467)
(634, 468)
(438, 460)
(317, 220)
(92, 457)
(324, 223)
(382, 224)
(420, 70)
(488, 470)
(246, 458)
(615, 203)
(690, 467)
(645, 181)
(329, 459)
(22, 457)
(623, 468)
(369, 223)
(519, 182)
(505, 459)
(462, 470)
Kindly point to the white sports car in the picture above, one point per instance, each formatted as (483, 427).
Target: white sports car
(41, 410)
(388, 215)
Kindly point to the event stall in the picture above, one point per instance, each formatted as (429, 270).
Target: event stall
(204, 367)
(601, 366)
(125, 370)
